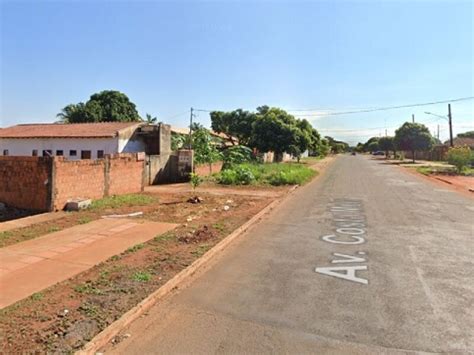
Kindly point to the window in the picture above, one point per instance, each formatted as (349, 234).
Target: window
(34, 152)
(5, 152)
(59, 153)
(73, 153)
(47, 153)
(85, 154)
(100, 154)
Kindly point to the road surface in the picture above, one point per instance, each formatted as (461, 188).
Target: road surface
(366, 259)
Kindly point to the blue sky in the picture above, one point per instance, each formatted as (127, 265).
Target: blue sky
(169, 56)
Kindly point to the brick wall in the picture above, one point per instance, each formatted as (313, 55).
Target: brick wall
(25, 182)
(47, 184)
(208, 169)
(77, 178)
(115, 175)
(126, 174)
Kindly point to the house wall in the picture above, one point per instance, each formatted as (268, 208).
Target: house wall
(25, 182)
(25, 146)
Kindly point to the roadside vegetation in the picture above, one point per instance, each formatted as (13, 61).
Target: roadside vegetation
(275, 174)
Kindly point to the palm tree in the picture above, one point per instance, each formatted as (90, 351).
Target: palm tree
(149, 119)
(70, 112)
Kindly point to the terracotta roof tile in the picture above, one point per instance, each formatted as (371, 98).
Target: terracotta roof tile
(59, 130)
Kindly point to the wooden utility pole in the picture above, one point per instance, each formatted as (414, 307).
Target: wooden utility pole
(450, 126)
(413, 118)
(191, 129)
(438, 132)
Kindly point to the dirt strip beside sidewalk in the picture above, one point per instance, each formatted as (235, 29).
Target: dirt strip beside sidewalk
(31, 266)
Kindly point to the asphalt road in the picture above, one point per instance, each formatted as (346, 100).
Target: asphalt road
(405, 283)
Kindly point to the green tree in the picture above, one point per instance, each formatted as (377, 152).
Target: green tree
(386, 144)
(234, 124)
(366, 144)
(413, 137)
(150, 119)
(205, 150)
(273, 130)
(468, 134)
(105, 106)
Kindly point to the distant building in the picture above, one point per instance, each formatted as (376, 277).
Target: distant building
(462, 141)
(82, 140)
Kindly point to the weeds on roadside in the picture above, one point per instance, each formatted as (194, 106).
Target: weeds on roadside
(142, 276)
(129, 200)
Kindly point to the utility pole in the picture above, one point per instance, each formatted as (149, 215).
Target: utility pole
(450, 126)
(438, 132)
(413, 118)
(385, 132)
(191, 129)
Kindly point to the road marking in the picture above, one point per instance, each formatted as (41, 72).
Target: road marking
(348, 272)
(350, 226)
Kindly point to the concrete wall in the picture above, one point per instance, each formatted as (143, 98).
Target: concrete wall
(46, 184)
(25, 182)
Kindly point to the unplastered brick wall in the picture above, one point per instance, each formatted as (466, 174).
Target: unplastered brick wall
(115, 175)
(77, 178)
(47, 184)
(208, 169)
(25, 182)
(126, 174)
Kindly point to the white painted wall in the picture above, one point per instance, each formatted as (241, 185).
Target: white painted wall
(24, 147)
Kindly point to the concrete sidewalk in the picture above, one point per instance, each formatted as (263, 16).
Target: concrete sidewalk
(33, 265)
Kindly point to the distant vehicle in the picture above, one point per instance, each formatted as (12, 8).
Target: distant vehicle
(379, 152)
(353, 153)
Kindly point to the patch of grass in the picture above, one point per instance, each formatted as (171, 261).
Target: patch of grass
(38, 296)
(201, 250)
(219, 226)
(53, 229)
(129, 200)
(88, 289)
(271, 174)
(134, 248)
(164, 237)
(4, 235)
(89, 309)
(84, 220)
(141, 276)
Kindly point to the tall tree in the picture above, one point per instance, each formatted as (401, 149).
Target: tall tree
(105, 106)
(386, 144)
(234, 124)
(413, 137)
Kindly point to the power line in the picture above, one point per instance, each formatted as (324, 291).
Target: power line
(379, 108)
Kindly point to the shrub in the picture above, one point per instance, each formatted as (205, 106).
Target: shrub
(235, 155)
(237, 176)
(195, 180)
(272, 174)
(460, 157)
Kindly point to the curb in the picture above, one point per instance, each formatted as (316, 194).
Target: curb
(446, 181)
(104, 337)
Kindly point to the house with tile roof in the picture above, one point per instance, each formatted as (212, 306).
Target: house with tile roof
(80, 140)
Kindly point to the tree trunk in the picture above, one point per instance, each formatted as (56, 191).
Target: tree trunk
(413, 155)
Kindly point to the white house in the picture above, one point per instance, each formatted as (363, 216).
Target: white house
(75, 141)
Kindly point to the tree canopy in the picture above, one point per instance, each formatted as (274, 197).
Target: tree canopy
(468, 134)
(386, 144)
(413, 137)
(270, 129)
(234, 124)
(104, 106)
